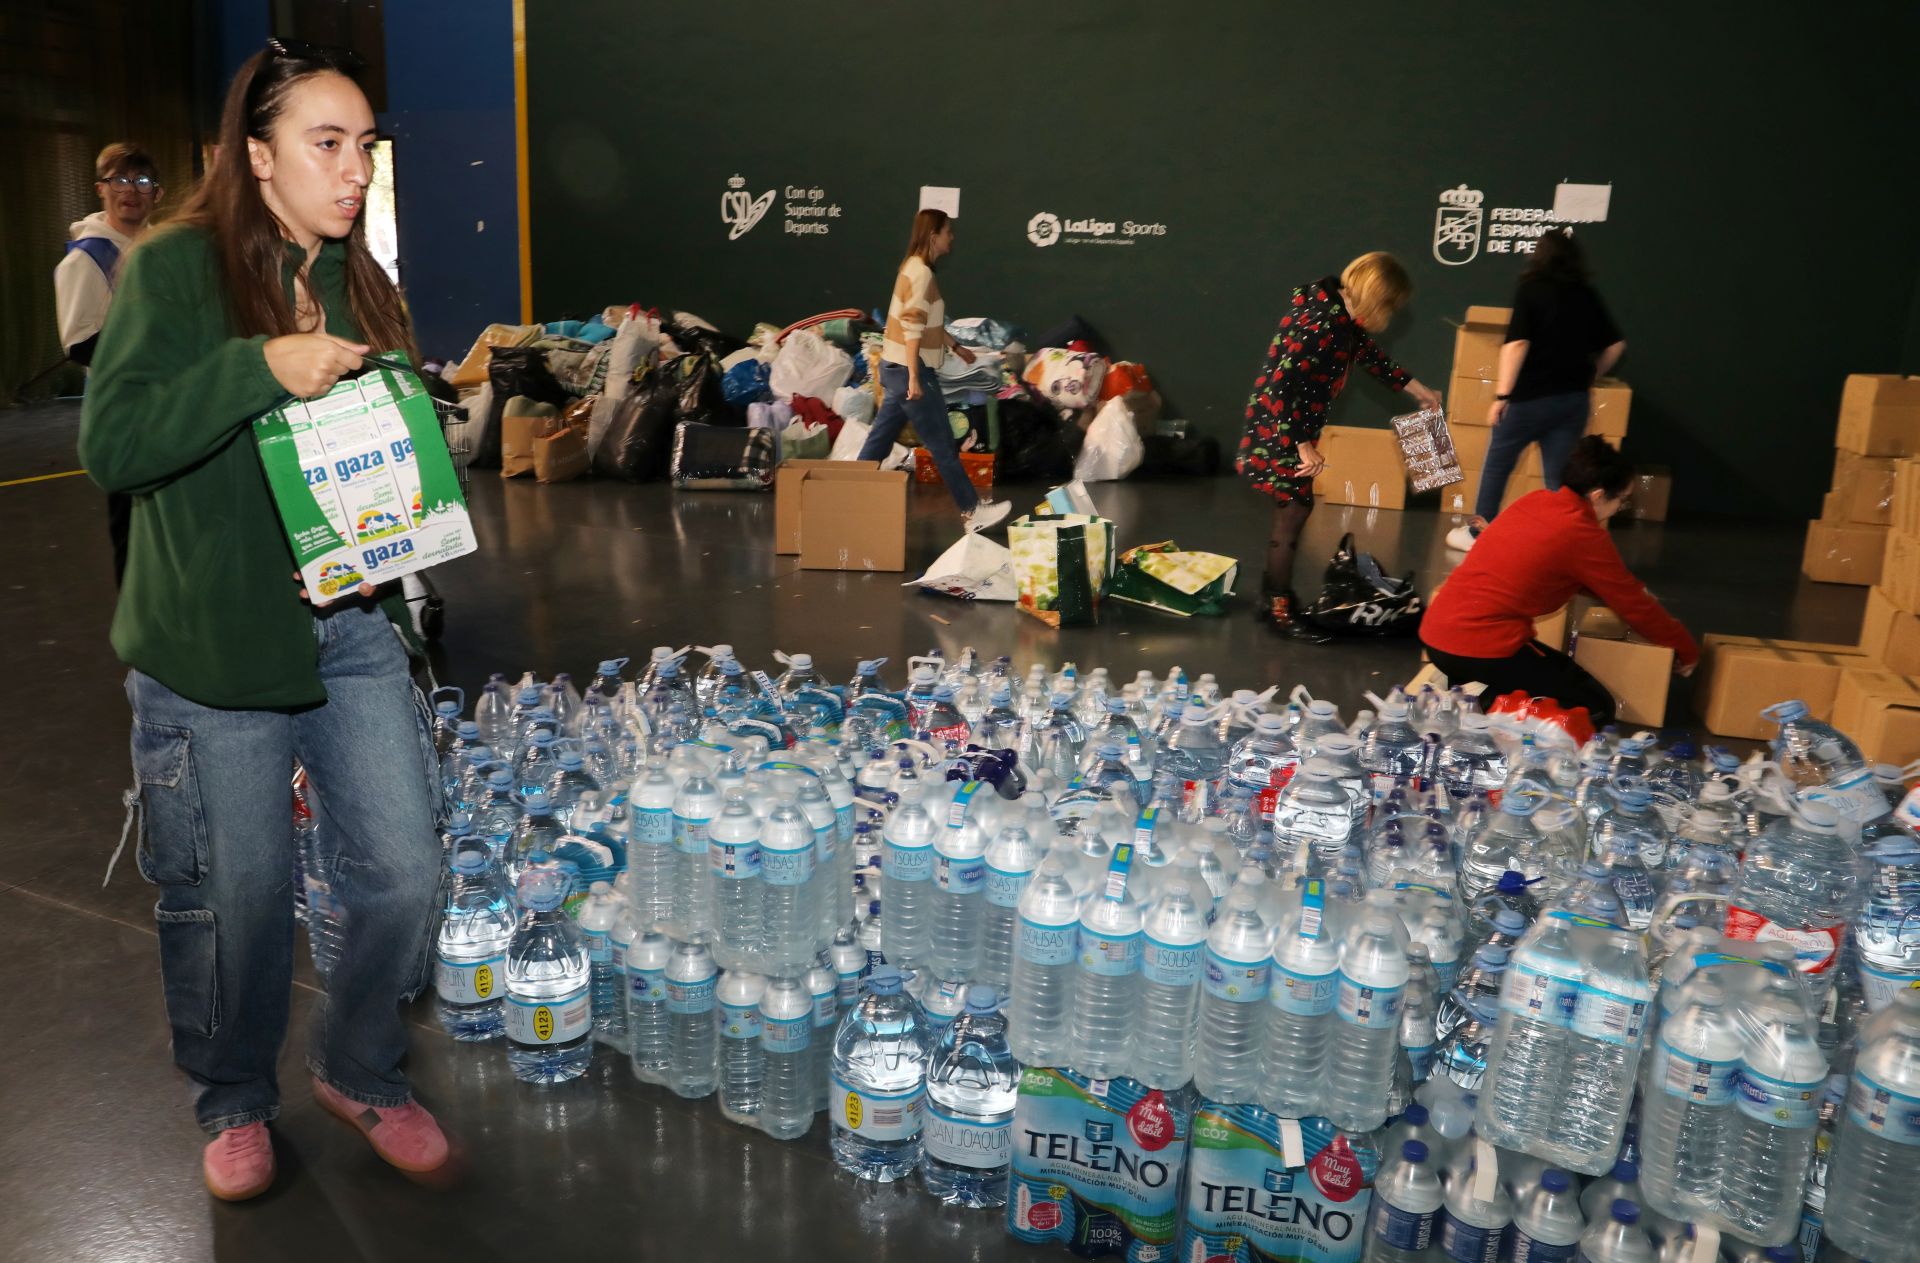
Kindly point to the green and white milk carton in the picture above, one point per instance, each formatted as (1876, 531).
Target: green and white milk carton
(363, 482)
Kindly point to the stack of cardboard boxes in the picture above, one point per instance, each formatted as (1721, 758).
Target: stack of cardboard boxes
(1879, 425)
(1476, 370)
(1877, 702)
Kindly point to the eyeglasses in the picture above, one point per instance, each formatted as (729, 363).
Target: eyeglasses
(145, 183)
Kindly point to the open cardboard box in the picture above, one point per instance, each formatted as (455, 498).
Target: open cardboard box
(1364, 467)
(853, 519)
(786, 497)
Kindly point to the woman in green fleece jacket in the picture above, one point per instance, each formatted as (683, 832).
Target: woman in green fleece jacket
(262, 289)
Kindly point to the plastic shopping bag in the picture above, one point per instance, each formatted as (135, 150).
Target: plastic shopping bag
(807, 365)
(1060, 565)
(974, 569)
(1359, 599)
(1113, 448)
(854, 404)
(1163, 577)
(1069, 380)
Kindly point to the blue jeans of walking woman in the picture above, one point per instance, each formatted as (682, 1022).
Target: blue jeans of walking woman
(929, 416)
(213, 804)
(1555, 422)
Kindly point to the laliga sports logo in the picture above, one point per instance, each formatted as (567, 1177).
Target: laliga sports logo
(1457, 225)
(741, 210)
(1044, 229)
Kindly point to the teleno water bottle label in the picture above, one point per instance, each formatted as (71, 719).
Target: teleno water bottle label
(1541, 996)
(646, 986)
(653, 826)
(959, 877)
(1170, 965)
(877, 1115)
(1242, 982)
(1374, 1008)
(1004, 889)
(1883, 1112)
(1402, 1229)
(1700, 1080)
(1816, 949)
(1047, 944)
(690, 834)
(906, 863)
(1603, 1015)
(1467, 1243)
(739, 1021)
(786, 868)
(468, 981)
(962, 799)
(599, 950)
(549, 1021)
(1776, 1102)
(786, 1034)
(734, 861)
(966, 1142)
(1108, 956)
(1527, 1250)
(691, 998)
(1303, 995)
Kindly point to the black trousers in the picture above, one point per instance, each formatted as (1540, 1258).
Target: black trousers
(1536, 671)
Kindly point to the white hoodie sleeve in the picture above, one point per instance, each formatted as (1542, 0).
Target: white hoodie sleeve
(80, 298)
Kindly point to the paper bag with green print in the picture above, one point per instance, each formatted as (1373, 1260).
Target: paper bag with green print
(1060, 565)
(1164, 577)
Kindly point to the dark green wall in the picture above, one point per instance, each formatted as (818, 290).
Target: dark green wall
(1761, 242)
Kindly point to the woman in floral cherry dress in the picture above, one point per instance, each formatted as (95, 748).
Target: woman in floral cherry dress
(1322, 336)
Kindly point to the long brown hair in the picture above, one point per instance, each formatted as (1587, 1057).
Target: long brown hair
(926, 226)
(250, 243)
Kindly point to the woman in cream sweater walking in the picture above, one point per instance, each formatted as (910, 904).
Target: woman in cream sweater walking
(916, 344)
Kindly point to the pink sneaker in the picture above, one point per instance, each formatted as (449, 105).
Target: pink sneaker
(238, 1163)
(405, 1135)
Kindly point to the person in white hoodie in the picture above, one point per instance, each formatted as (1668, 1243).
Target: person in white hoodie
(128, 184)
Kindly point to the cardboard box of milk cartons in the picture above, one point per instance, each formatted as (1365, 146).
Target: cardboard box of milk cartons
(364, 485)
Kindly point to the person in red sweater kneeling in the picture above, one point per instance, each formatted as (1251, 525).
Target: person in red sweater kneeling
(1530, 561)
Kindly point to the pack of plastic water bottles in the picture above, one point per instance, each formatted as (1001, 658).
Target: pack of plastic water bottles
(1511, 993)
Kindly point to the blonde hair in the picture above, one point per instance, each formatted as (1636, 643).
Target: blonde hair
(1377, 287)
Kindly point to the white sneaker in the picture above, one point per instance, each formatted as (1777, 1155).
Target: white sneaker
(986, 515)
(1461, 538)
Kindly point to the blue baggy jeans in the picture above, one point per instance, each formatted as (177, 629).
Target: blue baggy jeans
(929, 416)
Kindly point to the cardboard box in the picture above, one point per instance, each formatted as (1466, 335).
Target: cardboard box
(1520, 485)
(1468, 399)
(560, 456)
(1863, 487)
(1598, 620)
(1739, 676)
(1364, 467)
(1833, 507)
(1637, 674)
(1881, 712)
(786, 497)
(1477, 343)
(1652, 491)
(1551, 629)
(1844, 552)
(1470, 445)
(853, 519)
(1906, 497)
(978, 466)
(1890, 635)
(1879, 415)
(1612, 398)
(1900, 571)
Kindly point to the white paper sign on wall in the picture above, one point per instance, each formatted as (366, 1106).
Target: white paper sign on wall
(933, 197)
(1582, 203)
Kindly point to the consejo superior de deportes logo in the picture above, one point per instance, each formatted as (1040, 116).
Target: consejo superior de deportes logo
(1044, 229)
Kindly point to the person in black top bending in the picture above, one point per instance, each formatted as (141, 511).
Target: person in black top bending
(1559, 339)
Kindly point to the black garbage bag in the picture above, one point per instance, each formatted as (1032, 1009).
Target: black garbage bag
(1035, 445)
(513, 370)
(1196, 457)
(722, 458)
(638, 443)
(1074, 329)
(702, 400)
(1359, 599)
(697, 339)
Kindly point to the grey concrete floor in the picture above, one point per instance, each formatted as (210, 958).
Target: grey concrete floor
(99, 1155)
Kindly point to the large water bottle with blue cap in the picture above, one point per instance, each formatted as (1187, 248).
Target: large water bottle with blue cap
(528, 711)
(1402, 1226)
(1471, 761)
(1299, 1019)
(1312, 819)
(536, 832)
(1390, 750)
(1803, 884)
(1263, 761)
(1190, 763)
(493, 710)
(1369, 993)
(538, 760)
(1496, 849)
(1783, 1078)
(470, 964)
(1823, 764)
(1869, 1205)
(1617, 1239)
(1603, 1049)
(906, 868)
(549, 1008)
(692, 980)
(498, 814)
(1043, 966)
(1233, 994)
(972, 1085)
(1526, 1070)
(1887, 937)
(571, 781)
(878, 1098)
(959, 885)
(1106, 983)
(1627, 813)
(1547, 1223)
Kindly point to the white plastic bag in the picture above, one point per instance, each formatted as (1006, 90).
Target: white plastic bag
(1113, 448)
(808, 365)
(853, 436)
(854, 403)
(637, 338)
(975, 569)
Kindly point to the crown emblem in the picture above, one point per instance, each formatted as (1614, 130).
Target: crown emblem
(1462, 196)
(740, 182)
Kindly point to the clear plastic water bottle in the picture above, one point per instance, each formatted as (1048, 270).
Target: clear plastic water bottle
(1190, 763)
(1233, 991)
(790, 890)
(1632, 883)
(940, 1001)
(1368, 995)
(1547, 1224)
(742, 1060)
(649, 1025)
(1407, 1198)
(958, 890)
(1043, 966)
(1390, 750)
(1618, 1238)
(733, 851)
(650, 844)
(695, 806)
(786, 1058)
(549, 1009)
(878, 1101)
(1419, 1012)
(1107, 980)
(1597, 1199)
(1471, 761)
(1783, 1078)
(1496, 849)
(1437, 928)
(906, 866)
(1824, 764)
(693, 1030)
(1303, 982)
(1527, 1073)
(831, 905)
(1603, 1049)
(1263, 762)
(1802, 883)
(823, 989)
(1887, 936)
(471, 958)
(1479, 1211)
(1869, 1208)
(597, 916)
(1592, 895)
(1312, 819)
(1627, 813)
(972, 1083)
(1170, 970)
(1687, 1102)
(1010, 861)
